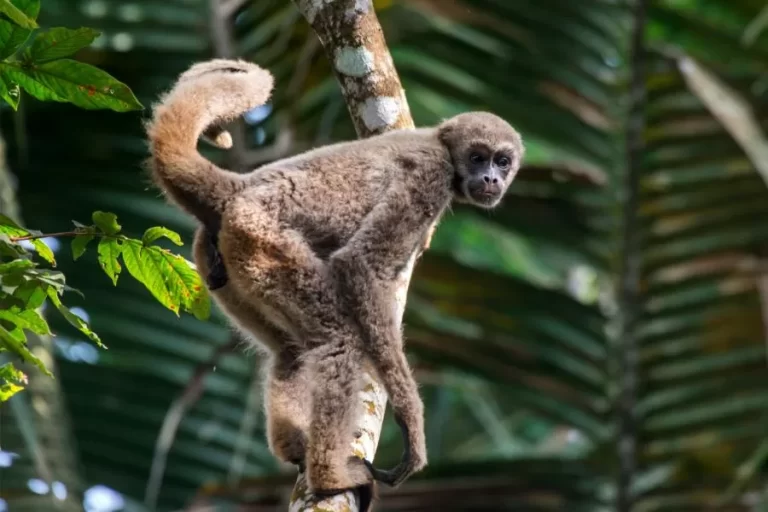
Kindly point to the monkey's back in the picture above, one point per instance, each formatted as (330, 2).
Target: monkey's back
(326, 193)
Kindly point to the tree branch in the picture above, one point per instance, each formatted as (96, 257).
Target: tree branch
(354, 43)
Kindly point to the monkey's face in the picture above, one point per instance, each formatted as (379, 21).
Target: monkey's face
(485, 173)
(486, 153)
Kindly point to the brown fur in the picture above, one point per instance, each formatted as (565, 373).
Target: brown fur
(313, 245)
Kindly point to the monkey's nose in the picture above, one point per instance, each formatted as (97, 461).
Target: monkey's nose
(490, 180)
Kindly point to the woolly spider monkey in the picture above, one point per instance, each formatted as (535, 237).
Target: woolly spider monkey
(303, 254)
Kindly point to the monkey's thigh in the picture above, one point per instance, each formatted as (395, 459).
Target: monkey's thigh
(276, 265)
(288, 394)
(331, 465)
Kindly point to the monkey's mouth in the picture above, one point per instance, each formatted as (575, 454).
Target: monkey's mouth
(483, 196)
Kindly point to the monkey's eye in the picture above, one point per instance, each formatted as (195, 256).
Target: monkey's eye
(476, 158)
(503, 162)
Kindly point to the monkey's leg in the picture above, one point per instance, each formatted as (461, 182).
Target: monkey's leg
(288, 394)
(367, 269)
(277, 267)
(331, 468)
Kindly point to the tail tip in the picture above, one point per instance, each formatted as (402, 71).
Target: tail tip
(218, 137)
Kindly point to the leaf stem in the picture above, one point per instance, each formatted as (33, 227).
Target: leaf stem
(48, 235)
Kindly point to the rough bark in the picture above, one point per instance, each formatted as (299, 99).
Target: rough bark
(354, 43)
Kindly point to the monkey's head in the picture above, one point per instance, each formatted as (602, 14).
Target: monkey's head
(486, 153)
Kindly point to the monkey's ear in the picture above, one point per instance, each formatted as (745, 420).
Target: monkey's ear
(446, 132)
(218, 136)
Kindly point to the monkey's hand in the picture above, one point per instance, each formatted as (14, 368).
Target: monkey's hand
(414, 459)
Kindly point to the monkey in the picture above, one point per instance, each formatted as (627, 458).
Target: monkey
(302, 254)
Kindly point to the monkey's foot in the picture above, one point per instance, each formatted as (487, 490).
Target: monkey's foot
(392, 477)
(413, 460)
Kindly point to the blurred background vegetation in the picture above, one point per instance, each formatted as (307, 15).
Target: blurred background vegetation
(598, 343)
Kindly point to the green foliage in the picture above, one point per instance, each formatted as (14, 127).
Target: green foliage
(26, 286)
(11, 381)
(58, 43)
(12, 36)
(16, 15)
(42, 70)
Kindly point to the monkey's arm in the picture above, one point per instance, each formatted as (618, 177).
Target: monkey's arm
(366, 269)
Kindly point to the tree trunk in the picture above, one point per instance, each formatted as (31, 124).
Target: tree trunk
(354, 42)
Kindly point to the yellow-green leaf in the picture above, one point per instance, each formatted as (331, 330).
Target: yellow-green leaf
(11, 381)
(80, 324)
(170, 278)
(109, 252)
(107, 222)
(10, 341)
(152, 234)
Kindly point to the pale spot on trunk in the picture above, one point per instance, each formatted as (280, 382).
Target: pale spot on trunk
(380, 112)
(354, 61)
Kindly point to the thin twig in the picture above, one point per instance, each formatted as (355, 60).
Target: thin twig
(49, 235)
(176, 412)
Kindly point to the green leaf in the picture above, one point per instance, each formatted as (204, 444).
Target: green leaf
(152, 234)
(16, 266)
(60, 42)
(11, 381)
(169, 278)
(67, 80)
(10, 228)
(8, 248)
(35, 322)
(44, 251)
(109, 252)
(9, 91)
(31, 293)
(79, 244)
(10, 342)
(12, 36)
(27, 319)
(107, 222)
(16, 15)
(80, 324)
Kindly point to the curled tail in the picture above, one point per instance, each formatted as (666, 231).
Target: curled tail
(206, 97)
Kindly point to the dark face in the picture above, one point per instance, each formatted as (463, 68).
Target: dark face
(486, 174)
(486, 153)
